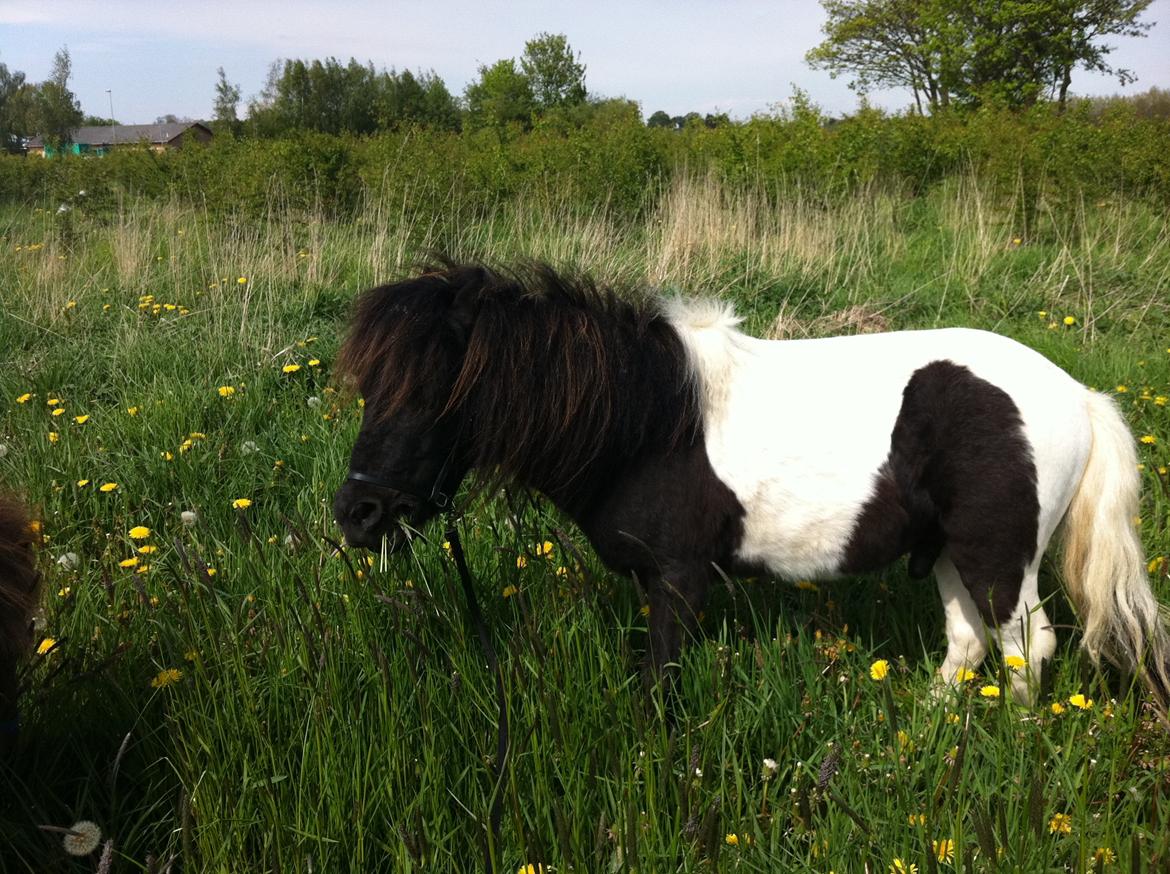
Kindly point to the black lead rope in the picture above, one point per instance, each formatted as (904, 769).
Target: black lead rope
(489, 653)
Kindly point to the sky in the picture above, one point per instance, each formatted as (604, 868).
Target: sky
(154, 57)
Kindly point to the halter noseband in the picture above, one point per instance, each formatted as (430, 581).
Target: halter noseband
(438, 499)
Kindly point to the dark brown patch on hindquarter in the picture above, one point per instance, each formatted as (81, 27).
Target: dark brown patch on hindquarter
(959, 476)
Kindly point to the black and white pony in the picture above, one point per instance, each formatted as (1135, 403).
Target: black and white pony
(679, 444)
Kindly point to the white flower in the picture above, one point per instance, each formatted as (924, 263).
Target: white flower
(314, 402)
(189, 517)
(84, 838)
(62, 208)
(248, 447)
(770, 768)
(69, 561)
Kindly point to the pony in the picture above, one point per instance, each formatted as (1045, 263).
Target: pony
(19, 590)
(680, 446)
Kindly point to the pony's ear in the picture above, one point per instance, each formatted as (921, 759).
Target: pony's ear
(466, 297)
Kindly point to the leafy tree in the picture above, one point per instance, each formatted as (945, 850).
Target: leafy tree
(557, 77)
(659, 119)
(1012, 52)
(501, 96)
(98, 121)
(54, 111)
(227, 98)
(13, 109)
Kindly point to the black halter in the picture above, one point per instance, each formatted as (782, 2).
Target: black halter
(437, 498)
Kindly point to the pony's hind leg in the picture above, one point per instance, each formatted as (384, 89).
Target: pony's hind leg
(966, 634)
(1027, 638)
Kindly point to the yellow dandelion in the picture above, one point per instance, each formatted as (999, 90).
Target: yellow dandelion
(82, 483)
(1070, 320)
(1057, 708)
(226, 391)
(132, 411)
(1061, 823)
(944, 850)
(544, 548)
(46, 646)
(532, 868)
(148, 549)
(314, 362)
(964, 674)
(128, 562)
(24, 398)
(107, 487)
(166, 677)
(139, 532)
(509, 591)
(290, 368)
(521, 561)
(59, 411)
(731, 840)
(1122, 389)
(807, 586)
(917, 819)
(899, 866)
(167, 456)
(1081, 702)
(242, 503)
(191, 655)
(1015, 662)
(81, 420)
(1104, 856)
(54, 436)
(243, 280)
(879, 670)
(1148, 439)
(644, 610)
(52, 402)
(1160, 400)
(989, 691)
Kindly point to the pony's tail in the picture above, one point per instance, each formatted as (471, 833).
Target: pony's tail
(1104, 565)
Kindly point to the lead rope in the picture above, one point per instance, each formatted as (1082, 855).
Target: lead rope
(489, 653)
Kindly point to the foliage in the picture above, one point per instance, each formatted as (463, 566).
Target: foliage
(227, 98)
(501, 96)
(1010, 53)
(54, 111)
(556, 75)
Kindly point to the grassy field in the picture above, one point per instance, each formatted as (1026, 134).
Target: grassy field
(229, 693)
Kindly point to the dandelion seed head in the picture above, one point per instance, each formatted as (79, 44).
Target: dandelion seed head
(84, 838)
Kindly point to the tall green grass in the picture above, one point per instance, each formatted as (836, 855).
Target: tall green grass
(332, 713)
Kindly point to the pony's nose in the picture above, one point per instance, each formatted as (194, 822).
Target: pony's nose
(365, 513)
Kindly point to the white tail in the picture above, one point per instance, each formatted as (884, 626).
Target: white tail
(1104, 565)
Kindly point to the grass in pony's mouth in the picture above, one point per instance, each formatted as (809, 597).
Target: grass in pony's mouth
(318, 716)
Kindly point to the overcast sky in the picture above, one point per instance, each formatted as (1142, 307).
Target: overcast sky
(736, 56)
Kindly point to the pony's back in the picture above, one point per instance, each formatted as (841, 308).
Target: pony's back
(19, 588)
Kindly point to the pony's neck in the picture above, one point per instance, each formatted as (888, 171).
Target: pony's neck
(564, 399)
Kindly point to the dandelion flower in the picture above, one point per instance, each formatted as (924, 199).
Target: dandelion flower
(989, 691)
(918, 819)
(132, 411)
(243, 280)
(139, 532)
(963, 674)
(1081, 702)
(879, 670)
(242, 503)
(314, 362)
(1104, 856)
(731, 840)
(521, 562)
(24, 398)
(81, 420)
(54, 436)
(226, 391)
(147, 550)
(1015, 662)
(1070, 320)
(52, 402)
(59, 411)
(509, 591)
(128, 562)
(944, 850)
(82, 483)
(1057, 708)
(83, 838)
(290, 368)
(531, 868)
(545, 548)
(898, 866)
(1061, 823)
(167, 677)
(46, 646)
(107, 487)
(1148, 439)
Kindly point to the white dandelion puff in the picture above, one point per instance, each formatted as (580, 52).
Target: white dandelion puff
(83, 838)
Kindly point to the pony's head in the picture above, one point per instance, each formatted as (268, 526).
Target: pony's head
(404, 353)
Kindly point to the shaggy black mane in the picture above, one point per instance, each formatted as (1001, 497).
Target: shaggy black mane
(548, 374)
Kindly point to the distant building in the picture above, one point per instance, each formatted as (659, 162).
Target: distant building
(99, 139)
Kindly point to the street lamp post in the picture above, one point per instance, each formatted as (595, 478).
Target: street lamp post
(113, 130)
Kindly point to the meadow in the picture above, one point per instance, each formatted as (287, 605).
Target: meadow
(221, 688)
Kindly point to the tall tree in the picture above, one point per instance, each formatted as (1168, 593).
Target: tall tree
(556, 75)
(13, 109)
(1011, 52)
(55, 111)
(227, 98)
(502, 95)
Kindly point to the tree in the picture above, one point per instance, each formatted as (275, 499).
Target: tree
(1011, 52)
(556, 76)
(227, 98)
(502, 95)
(13, 109)
(54, 110)
(659, 119)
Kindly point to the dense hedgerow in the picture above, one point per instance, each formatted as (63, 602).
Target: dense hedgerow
(610, 160)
